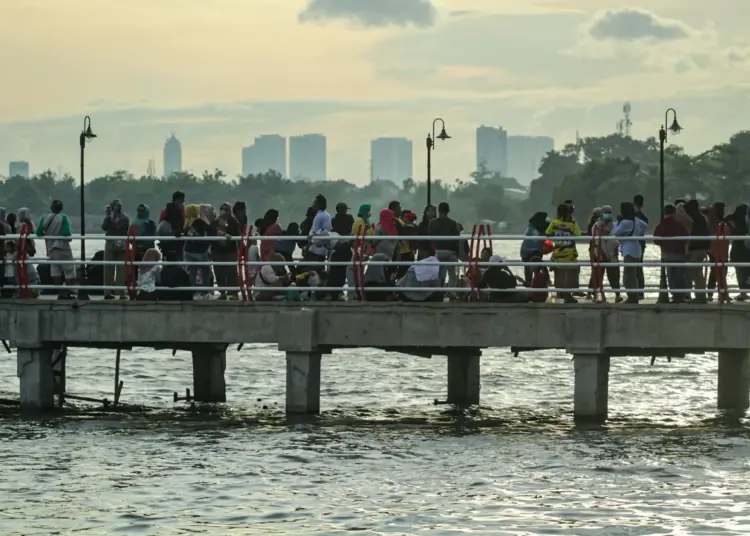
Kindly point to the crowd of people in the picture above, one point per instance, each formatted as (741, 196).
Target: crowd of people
(681, 219)
(203, 251)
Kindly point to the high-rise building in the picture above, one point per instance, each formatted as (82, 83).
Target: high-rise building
(307, 157)
(391, 159)
(492, 149)
(172, 156)
(267, 153)
(18, 169)
(525, 155)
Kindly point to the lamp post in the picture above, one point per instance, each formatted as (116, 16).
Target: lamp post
(86, 134)
(674, 128)
(430, 147)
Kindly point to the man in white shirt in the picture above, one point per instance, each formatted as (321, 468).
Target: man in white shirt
(268, 282)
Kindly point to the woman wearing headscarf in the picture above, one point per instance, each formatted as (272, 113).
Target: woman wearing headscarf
(149, 275)
(226, 226)
(425, 274)
(4, 220)
(286, 247)
(386, 248)
(142, 225)
(116, 224)
(197, 225)
(26, 226)
(605, 251)
(531, 247)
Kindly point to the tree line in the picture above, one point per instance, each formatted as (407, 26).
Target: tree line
(592, 172)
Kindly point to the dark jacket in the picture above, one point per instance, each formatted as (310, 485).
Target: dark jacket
(445, 226)
(671, 226)
(199, 228)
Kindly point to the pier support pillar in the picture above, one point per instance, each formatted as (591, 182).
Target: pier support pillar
(209, 364)
(463, 377)
(591, 393)
(734, 380)
(303, 382)
(36, 376)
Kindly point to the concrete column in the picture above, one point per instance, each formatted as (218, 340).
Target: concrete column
(463, 377)
(734, 380)
(591, 394)
(36, 378)
(303, 382)
(209, 364)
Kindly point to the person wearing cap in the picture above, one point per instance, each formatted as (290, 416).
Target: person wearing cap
(342, 224)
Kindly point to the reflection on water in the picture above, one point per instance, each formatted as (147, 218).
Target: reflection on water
(381, 459)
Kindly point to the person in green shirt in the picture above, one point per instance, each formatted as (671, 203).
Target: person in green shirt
(56, 224)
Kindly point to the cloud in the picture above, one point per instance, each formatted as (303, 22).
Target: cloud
(629, 24)
(372, 13)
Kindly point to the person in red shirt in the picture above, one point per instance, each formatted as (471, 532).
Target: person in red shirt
(674, 251)
(269, 227)
(178, 198)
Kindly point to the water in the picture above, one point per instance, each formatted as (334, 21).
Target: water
(382, 459)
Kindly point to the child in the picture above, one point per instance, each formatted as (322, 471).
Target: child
(149, 275)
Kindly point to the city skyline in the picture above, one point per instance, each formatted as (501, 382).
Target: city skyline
(364, 73)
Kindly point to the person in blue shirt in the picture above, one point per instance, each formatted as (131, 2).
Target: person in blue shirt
(630, 225)
(321, 226)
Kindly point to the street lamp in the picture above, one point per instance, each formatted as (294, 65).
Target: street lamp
(430, 147)
(86, 134)
(674, 128)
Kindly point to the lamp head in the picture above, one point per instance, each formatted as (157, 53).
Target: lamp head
(675, 127)
(88, 134)
(443, 135)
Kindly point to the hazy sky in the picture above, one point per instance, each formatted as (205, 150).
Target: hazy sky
(220, 72)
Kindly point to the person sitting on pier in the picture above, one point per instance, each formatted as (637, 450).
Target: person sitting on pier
(376, 277)
(499, 276)
(424, 273)
(57, 224)
(149, 276)
(271, 280)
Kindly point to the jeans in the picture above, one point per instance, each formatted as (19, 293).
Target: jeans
(114, 274)
(676, 275)
(445, 255)
(630, 276)
(194, 271)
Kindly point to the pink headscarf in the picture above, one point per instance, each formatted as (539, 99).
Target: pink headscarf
(388, 222)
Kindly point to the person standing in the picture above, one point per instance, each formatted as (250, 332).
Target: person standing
(178, 198)
(116, 225)
(638, 205)
(342, 224)
(561, 230)
(143, 226)
(57, 224)
(446, 250)
(630, 225)
(226, 226)
(674, 252)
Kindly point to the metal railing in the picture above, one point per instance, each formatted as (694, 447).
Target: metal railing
(361, 262)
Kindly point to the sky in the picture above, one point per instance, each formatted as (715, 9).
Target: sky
(220, 72)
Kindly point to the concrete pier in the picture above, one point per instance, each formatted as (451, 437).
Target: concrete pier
(593, 333)
(463, 376)
(734, 380)
(209, 364)
(591, 391)
(303, 382)
(37, 382)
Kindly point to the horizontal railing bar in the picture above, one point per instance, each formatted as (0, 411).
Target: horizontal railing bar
(551, 290)
(549, 264)
(376, 238)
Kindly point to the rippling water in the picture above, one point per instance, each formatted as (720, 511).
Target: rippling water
(381, 459)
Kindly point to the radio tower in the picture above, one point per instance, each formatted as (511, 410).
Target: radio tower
(624, 124)
(151, 169)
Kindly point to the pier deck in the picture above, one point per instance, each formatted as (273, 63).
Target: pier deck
(592, 333)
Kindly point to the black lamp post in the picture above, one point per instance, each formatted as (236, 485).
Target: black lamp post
(430, 147)
(86, 134)
(674, 128)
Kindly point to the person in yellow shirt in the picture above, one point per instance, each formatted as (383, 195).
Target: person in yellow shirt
(560, 230)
